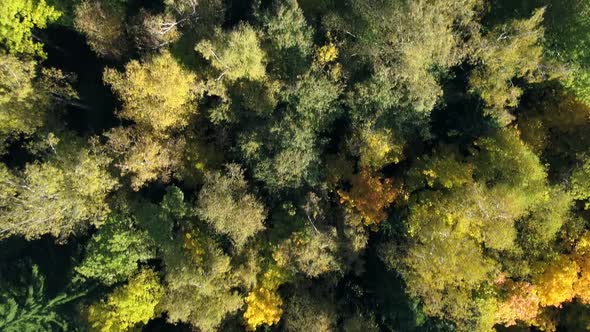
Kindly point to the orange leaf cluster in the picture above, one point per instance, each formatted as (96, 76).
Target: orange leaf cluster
(370, 195)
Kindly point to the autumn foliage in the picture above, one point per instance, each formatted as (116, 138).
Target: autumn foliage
(370, 195)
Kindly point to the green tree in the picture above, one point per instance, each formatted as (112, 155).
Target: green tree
(408, 42)
(224, 202)
(128, 305)
(158, 93)
(29, 308)
(17, 20)
(284, 155)
(509, 51)
(235, 54)
(290, 38)
(200, 282)
(115, 251)
(580, 181)
(60, 196)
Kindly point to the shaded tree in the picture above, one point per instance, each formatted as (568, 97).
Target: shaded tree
(103, 24)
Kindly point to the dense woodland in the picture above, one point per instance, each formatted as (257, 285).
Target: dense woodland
(294, 165)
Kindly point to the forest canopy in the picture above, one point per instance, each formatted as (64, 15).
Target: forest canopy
(294, 165)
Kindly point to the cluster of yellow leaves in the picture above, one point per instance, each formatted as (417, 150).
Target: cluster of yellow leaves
(128, 305)
(326, 54)
(370, 195)
(264, 304)
(556, 284)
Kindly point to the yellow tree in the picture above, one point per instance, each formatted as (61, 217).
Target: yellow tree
(128, 305)
(158, 94)
(264, 302)
(556, 283)
(22, 105)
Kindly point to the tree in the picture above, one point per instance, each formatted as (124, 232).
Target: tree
(370, 196)
(556, 284)
(22, 105)
(566, 42)
(580, 187)
(305, 311)
(541, 227)
(200, 283)
(376, 147)
(224, 202)
(409, 42)
(29, 308)
(263, 308)
(263, 303)
(510, 51)
(129, 305)
(445, 169)
(60, 196)
(290, 38)
(17, 20)
(103, 24)
(204, 16)
(144, 157)
(310, 252)
(236, 54)
(469, 213)
(152, 32)
(521, 305)
(315, 99)
(285, 155)
(115, 251)
(158, 93)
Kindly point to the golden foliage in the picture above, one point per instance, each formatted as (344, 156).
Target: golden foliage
(326, 54)
(264, 304)
(556, 283)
